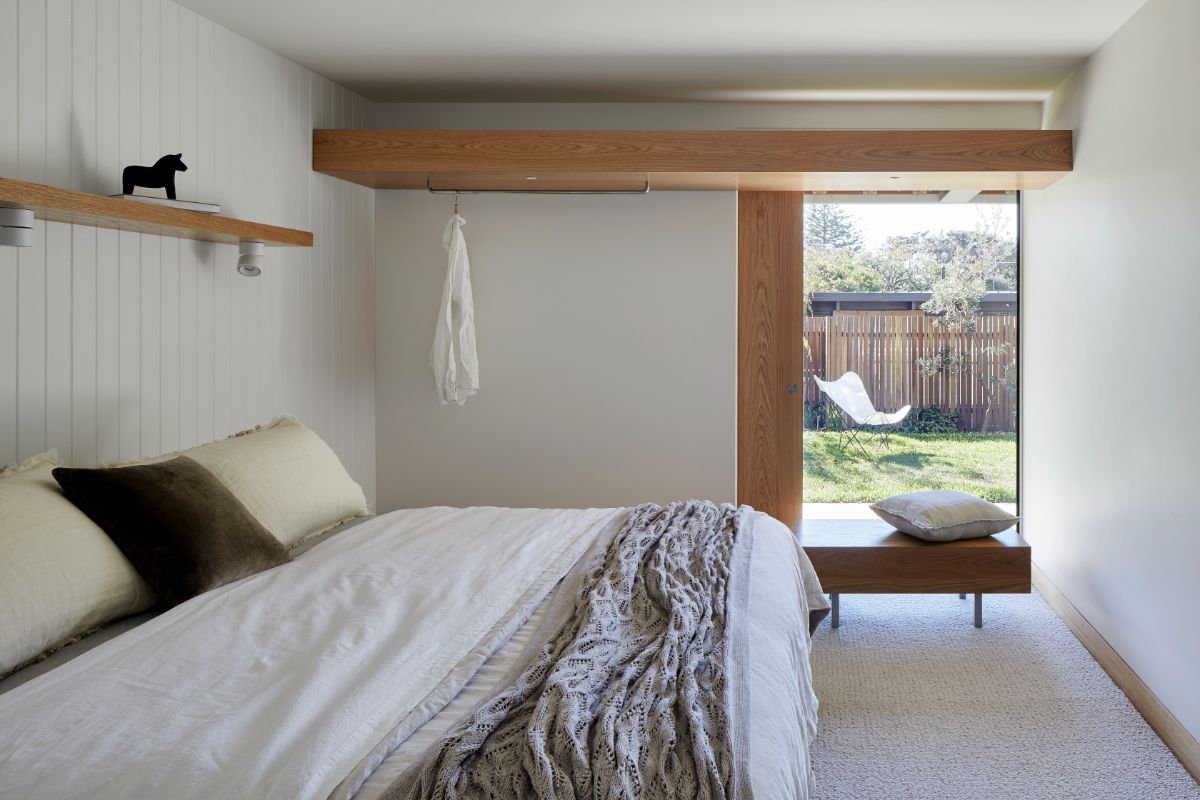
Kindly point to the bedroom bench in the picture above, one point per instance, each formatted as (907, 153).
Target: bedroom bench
(869, 556)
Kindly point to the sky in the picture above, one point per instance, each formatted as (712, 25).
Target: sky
(878, 220)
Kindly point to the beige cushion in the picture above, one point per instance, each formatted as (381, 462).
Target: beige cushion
(285, 475)
(60, 575)
(943, 515)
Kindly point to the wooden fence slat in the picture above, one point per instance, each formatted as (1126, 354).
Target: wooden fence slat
(883, 349)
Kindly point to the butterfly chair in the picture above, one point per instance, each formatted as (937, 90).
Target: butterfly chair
(849, 394)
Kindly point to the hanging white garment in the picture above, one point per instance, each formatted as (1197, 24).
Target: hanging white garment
(455, 365)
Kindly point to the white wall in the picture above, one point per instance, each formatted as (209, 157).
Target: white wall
(606, 324)
(606, 330)
(710, 116)
(116, 345)
(1110, 446)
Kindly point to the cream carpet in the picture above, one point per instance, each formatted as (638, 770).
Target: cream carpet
(917, 704)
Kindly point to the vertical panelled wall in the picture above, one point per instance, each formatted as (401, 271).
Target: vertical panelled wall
(116, 345)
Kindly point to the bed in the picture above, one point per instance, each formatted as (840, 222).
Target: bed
(334, 674)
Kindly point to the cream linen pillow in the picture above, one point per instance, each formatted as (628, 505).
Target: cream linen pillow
(60, 575)
(943, 515)
(285, 475)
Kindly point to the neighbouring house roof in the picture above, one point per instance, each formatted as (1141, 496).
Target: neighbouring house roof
(824, 304)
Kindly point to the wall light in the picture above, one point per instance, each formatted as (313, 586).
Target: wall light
(16, 227)
(250, 256)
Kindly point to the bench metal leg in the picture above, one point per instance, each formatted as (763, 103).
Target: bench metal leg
(835, 607)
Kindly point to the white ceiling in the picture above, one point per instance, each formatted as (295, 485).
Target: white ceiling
(531, 50)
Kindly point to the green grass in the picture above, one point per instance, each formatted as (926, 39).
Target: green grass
(977, 463)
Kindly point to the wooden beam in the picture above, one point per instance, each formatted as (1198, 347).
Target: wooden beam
(81, 208)
(770, 418)
(1176, 737)
(691, 151)
(689, 160)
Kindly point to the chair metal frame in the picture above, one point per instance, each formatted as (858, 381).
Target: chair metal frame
(850, 395)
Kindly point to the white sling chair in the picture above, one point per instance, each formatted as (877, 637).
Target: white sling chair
(850, 395)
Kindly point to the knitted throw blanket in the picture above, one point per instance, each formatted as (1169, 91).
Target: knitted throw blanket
(635, 691)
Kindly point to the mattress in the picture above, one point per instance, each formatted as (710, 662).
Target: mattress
(292, 720)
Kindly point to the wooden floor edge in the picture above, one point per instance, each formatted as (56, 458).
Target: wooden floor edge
(1177, 738)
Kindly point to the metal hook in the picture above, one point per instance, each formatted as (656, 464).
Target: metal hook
(456, 202)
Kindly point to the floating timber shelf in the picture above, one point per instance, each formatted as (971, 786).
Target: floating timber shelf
(81, 208)
(809, 161)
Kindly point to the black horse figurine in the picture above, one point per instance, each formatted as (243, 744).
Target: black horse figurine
(160, 176)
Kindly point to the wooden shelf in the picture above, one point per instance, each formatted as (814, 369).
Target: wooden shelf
(81, 208)
(879, 160)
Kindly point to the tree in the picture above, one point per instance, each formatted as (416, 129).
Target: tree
(988, 252)
(956, 299)
(832, 270)
(903, 264)
(995, 249)
(948, 363)
(968, 263)
(831, 225)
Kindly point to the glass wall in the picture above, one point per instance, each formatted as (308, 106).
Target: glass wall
(911, 320)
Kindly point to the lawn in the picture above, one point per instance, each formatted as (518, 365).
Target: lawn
(983, 464)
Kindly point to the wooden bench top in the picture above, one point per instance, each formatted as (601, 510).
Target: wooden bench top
(869, 555)
(841, 533)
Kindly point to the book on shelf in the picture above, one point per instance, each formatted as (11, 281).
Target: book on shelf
(185, 205)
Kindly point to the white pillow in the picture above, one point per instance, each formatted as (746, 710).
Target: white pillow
(60, 575)
(943, 515)
(286, 476)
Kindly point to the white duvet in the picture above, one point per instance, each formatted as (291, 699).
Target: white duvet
(341, 667)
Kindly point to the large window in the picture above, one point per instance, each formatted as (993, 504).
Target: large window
(917, 296)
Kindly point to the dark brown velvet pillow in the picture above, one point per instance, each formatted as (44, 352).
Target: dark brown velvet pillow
(176, 523)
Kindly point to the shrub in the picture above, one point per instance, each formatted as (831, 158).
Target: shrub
(932, 419)
(821, 415)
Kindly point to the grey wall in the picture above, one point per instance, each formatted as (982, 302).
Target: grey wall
(1109, 442)
(120, 345)
(606, 333)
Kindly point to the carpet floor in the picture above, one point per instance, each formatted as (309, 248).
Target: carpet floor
(917, 704)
